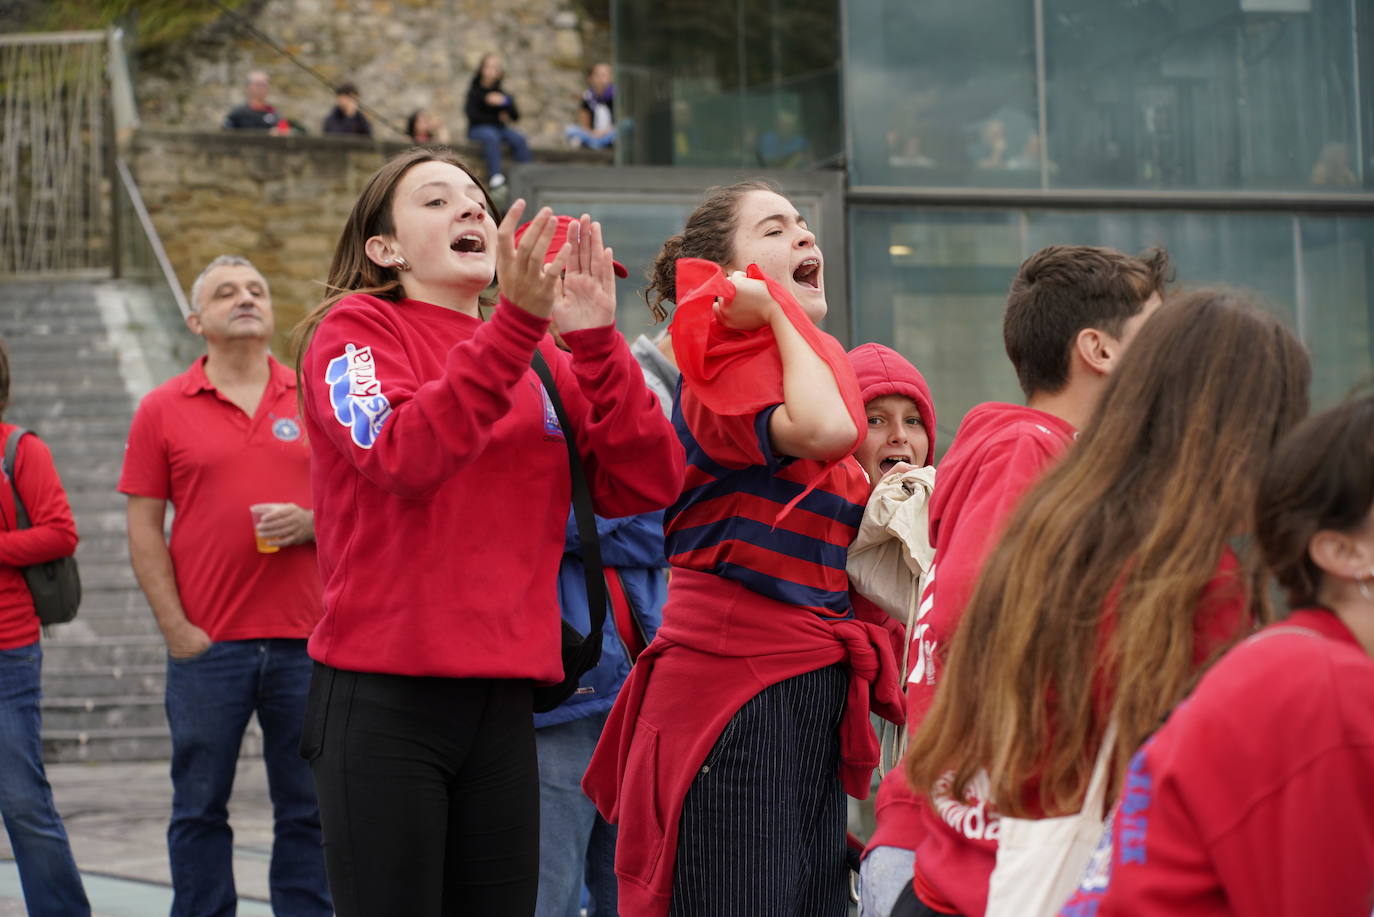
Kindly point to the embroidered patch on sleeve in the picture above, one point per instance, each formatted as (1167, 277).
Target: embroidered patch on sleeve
(355, 393)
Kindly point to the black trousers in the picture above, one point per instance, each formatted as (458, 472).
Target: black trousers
(763, 825)
(908, 905)
(428, 791)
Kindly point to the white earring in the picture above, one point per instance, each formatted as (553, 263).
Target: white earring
(1364, 585)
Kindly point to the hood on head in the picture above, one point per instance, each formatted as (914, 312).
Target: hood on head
(883, 371)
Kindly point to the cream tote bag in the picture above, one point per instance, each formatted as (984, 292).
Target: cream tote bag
(1041, 860)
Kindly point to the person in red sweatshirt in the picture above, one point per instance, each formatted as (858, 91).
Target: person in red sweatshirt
(1071, 312)
(1113, 585)
(441, 486)
(47, 872)
(728, 753)
(1269, 813)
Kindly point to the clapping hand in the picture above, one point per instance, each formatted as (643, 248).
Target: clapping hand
(586, 290)
(525, 279)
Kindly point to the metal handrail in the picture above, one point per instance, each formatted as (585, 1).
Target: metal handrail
(52, 38)
(150, 233)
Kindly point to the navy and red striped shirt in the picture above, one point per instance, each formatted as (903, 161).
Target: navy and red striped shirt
(725, 521)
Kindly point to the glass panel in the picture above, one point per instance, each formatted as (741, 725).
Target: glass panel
(750, 83)
(1336, 303)
(941, 92)
(1206, 94)
(932, 283)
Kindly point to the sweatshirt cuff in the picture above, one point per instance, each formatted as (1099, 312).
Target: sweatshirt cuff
(515, 331)
(591, 345)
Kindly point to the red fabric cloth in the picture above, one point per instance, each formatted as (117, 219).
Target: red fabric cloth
(52, 534)
(191, 446)
(441, 481)
(740, 372)
(1256, 799)
(720, 645)
(883, 371)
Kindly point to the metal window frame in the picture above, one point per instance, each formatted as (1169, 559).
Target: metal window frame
(823, 190)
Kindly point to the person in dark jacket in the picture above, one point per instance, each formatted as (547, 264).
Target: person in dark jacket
(345, 117)
(576, 845)
(491, 111)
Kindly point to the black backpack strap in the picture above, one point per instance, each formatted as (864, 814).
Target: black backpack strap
(582, 512)
(11, 451)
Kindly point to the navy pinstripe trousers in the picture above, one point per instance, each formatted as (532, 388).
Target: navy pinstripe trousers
(763, 825)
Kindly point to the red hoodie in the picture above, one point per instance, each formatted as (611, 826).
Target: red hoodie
(1256, 799)
(883, 371)
(441, 485)
(999, 452)
(52, 534)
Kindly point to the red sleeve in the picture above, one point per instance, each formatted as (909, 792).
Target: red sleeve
(147, 471)
(406, 436)
(1002, 479)
(731, 440)
(632, 456)
(52, 531)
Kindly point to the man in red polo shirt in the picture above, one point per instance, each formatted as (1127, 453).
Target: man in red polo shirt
(236, 594)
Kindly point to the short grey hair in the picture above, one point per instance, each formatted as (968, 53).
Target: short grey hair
(221, 261)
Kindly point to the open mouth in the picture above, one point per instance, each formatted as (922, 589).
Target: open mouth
(808, 273)
(469, 243)
(891, 462)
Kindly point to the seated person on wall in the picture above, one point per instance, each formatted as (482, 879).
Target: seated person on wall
(595, 128)
(491, 111)
(425, 127)
(255, 113)
(345, 117)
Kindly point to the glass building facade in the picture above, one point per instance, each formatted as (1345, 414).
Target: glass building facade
(966, 134)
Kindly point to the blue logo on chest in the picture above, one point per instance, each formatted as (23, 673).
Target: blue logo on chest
(286, 429)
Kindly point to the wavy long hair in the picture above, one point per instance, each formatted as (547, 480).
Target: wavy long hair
(1130, 525)
(352, 271)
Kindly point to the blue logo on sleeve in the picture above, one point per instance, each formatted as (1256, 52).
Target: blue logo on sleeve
(356, 394)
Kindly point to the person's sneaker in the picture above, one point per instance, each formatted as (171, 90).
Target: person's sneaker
(497, 180)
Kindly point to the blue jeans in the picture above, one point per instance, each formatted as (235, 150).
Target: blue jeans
(587, 138)
(52, 886)
(575, 844)
(209, 701)
(883, 875)
(491, 136)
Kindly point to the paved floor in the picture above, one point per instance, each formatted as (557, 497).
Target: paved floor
(116, 817)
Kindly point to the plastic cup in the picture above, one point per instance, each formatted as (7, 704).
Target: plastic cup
(258, 510)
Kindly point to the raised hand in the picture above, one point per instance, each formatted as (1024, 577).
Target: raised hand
(752, 307)
(586, 296)
(524, 277)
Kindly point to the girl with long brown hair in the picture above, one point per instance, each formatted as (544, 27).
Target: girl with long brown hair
(1113, 584)
(1256, 799)
(440, 476)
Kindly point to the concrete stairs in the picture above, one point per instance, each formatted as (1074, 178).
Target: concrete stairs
(81, 353)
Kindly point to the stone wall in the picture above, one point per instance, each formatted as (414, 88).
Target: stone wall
(402, 54)
(278, 201)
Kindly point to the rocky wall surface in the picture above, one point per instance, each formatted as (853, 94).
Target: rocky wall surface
(278, 201)
(402, 55)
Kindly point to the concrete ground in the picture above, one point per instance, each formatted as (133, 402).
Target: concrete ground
(116, 816)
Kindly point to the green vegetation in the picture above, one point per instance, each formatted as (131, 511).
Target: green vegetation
(159, 23)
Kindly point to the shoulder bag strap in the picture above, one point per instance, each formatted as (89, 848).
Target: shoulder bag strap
(582, 509)
(11, 451)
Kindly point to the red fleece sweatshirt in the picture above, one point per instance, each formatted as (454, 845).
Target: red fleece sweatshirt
(52, 534)
(1256, 799)
(441, 485)
(721, 644)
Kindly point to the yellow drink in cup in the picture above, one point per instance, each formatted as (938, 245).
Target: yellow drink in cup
(258, 510)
